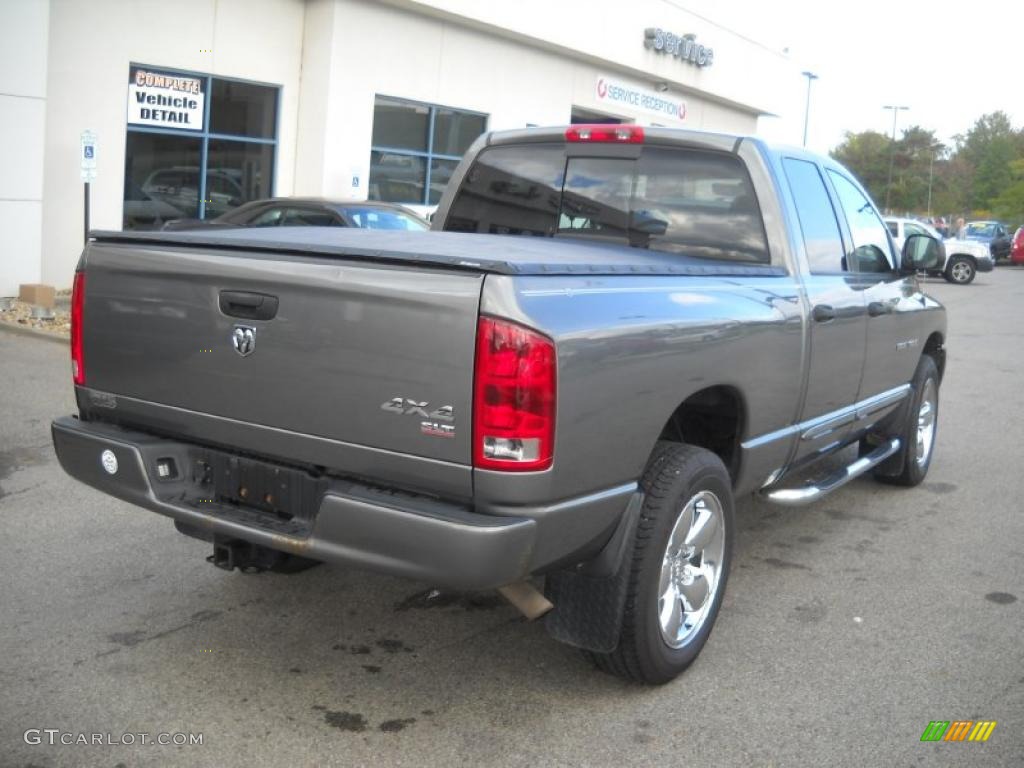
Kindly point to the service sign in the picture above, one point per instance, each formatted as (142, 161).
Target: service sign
(165, 99)
(683, 47)
(616, 93)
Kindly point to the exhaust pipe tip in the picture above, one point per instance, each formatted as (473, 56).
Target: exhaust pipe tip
(527, 599)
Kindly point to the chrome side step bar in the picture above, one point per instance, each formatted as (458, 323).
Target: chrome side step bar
(806, 494)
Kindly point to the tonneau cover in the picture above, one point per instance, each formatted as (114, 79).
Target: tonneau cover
(499, 254)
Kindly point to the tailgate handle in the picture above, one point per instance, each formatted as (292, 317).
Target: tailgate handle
(248, 305)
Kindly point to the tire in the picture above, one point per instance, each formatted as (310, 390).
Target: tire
(682, 485)
(917, 454)
(960, 270)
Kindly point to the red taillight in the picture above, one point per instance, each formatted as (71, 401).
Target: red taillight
(514, 398)
(77, 300)
(614, 134)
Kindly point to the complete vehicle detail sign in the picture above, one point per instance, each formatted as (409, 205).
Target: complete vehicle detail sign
(165, 99)
(617, 93)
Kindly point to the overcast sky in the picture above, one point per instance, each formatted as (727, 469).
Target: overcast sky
(950, 63)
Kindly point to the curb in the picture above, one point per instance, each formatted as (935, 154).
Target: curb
(34, 332)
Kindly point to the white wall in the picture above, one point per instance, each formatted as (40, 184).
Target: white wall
(745, 72)
(412, 50)
(314, 96)
(23, 35)
(91, 46)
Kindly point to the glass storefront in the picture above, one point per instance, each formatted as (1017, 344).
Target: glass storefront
(416, 147)
(197, 146)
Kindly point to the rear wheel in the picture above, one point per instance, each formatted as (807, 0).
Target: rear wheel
(680, 564)
(960, 270)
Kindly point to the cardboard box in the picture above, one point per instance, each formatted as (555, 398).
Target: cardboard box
(37, 294)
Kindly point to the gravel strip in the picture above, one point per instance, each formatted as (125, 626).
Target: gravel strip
(20, 314)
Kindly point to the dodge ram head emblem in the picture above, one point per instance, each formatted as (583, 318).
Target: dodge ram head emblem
(243, 339)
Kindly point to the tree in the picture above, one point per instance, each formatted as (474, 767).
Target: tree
(866, 154)
(983, 175)
(916, 153)
(953, 180)
(988, 148)
(916, 157)
(1008, 205)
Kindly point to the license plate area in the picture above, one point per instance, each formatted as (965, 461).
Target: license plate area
(279, 495)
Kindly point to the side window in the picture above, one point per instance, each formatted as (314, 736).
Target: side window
(870, 241)
(914, 229)
(270, 217)
(894, 228)
(818, 223)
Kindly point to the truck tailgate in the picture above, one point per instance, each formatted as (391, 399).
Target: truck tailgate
(372, 355)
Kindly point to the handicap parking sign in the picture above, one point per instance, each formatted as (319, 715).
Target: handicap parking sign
(88, 156)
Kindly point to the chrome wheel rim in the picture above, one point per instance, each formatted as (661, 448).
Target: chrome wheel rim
(962, 271)
(691, 569)
(926, 423)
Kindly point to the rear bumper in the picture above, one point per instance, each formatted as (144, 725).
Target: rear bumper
(353, 524)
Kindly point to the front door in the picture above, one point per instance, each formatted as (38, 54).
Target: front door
(890, 299)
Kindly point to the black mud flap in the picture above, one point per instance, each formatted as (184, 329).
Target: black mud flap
(891, 426)
(589, 600)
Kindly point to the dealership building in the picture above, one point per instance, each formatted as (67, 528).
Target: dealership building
(187, 109)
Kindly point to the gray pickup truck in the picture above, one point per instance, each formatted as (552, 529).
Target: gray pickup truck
(672, 319)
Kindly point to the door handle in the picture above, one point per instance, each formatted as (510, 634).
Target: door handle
(823, 313)
(877, 308)
(248, 305)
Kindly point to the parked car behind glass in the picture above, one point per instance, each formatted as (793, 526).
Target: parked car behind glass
(991, 233)
(310, 212)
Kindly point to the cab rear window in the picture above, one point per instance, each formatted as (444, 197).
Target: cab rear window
(693, 202)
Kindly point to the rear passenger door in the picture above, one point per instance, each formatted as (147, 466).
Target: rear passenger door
(891, 299)
(837, 322)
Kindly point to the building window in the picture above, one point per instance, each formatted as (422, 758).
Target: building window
(416, 147)
(197, 146)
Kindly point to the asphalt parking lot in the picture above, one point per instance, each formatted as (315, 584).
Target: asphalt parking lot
(847, 626)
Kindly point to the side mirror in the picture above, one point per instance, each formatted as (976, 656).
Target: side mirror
(648, 224)
(921, 252)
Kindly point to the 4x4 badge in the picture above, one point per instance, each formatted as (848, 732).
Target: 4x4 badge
(403, 405)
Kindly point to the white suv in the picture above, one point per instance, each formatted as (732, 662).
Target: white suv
(964, 259)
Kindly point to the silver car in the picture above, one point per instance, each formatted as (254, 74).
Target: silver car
(964, 258)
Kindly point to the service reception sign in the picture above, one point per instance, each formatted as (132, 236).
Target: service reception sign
(161, 100)
(630, 98)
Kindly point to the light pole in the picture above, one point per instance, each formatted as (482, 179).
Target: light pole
(931, 176)
(807, 108)
(892, 151)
